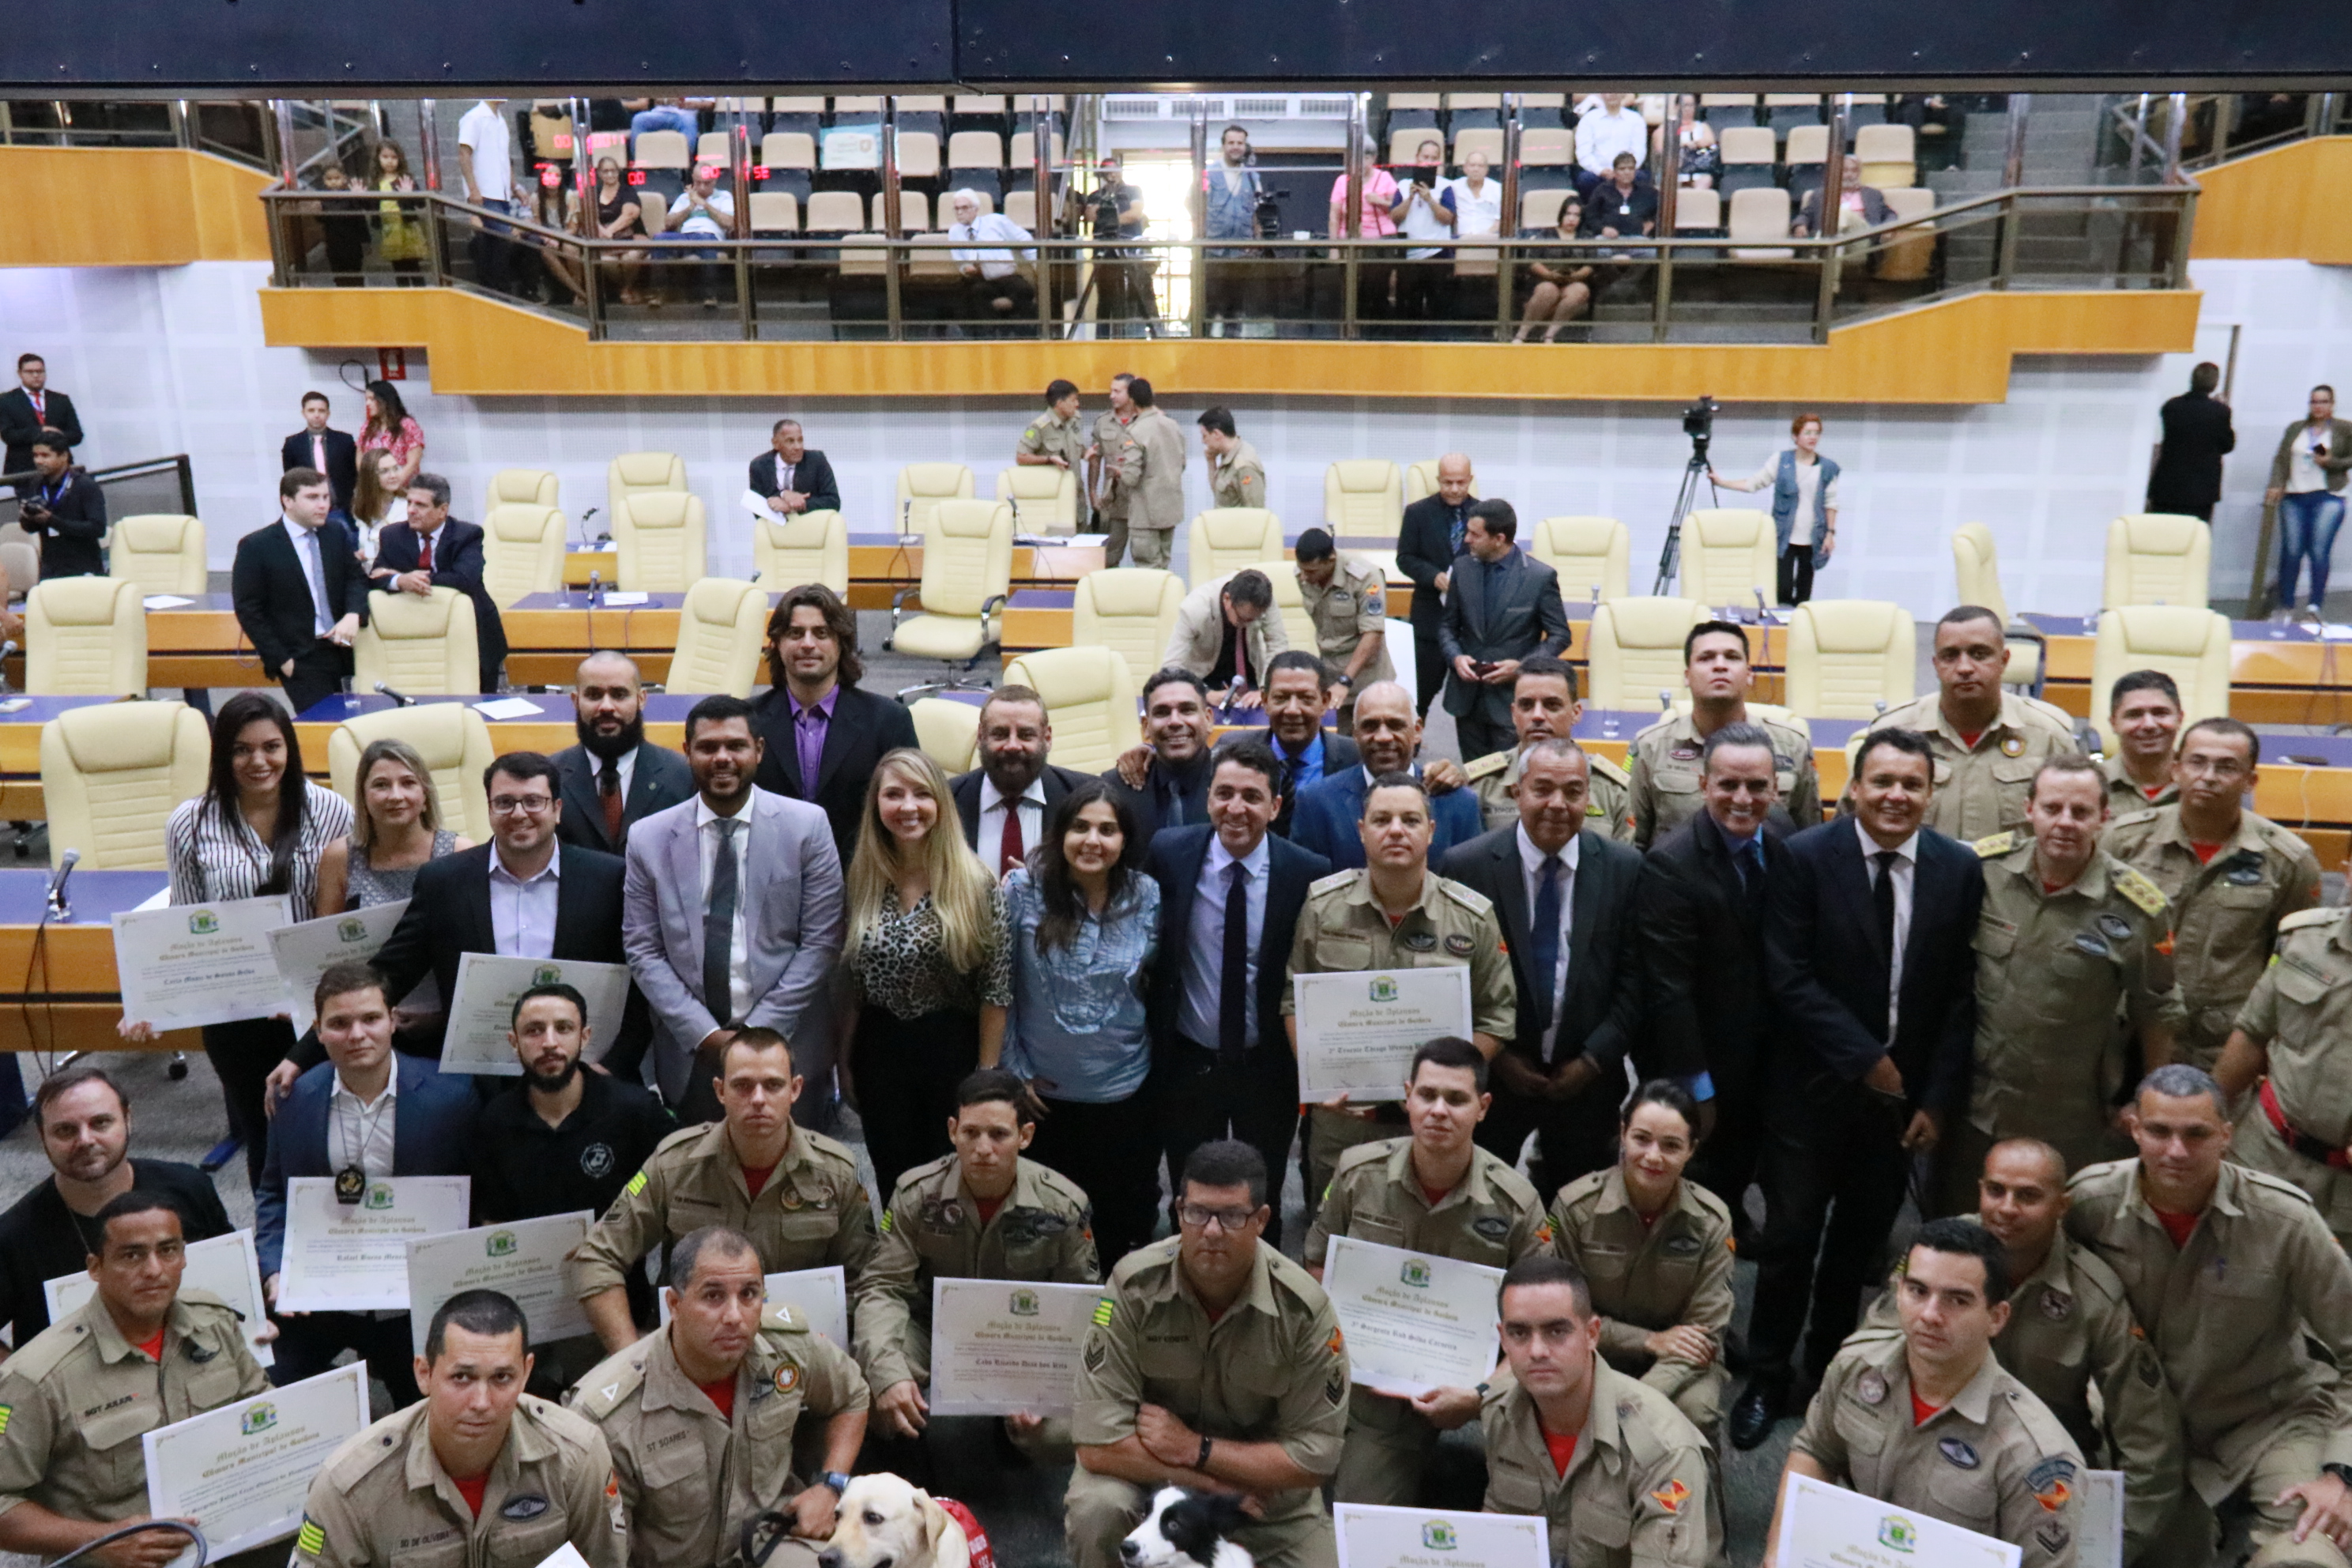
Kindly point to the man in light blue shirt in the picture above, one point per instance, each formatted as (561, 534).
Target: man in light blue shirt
(991, 273)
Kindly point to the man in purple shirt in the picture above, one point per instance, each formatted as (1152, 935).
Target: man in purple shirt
(822, 735)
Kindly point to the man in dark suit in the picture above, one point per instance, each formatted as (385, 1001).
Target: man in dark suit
(1502, 606)
(1388, 741)
(365, 1114)
(299, 593)
(1221, 1066)
(1005, 802)
(1297, 682)
(1867, 948)
(1565, 897)
(1165, 781)
(794, 478)
(615, 778)
(332, 452)
(1430, 539)
(66, 510)
(1698, 922)
(30, 408)
(2187, 478)
(821, 735)
(433, 549)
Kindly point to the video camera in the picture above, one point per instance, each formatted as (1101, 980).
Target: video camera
(1266, 215)
(1698, 423)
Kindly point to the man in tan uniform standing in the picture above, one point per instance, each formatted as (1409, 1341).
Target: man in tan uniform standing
(703, 1417)
(1214, 1363)
(1144, 478)
(1347, 600)
(1544, 707)
(1668, 777)
(2144, 711)
(76, 1398)
(2232, 877)
(1107, 452)
(2230, 1272)
(1926, 1418)
(2294, 1035)
(1235, 476)
(477, 1472)
(1484, 1212)
(1054, 440)
(1986, 741)
(794, 1192)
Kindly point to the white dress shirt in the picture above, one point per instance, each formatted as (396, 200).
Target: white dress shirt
(314, 572)
(360, 1132)
(487, 147)
(625, 765)
(994, 262)
(522, 909)
(705, 838)
(1600, 136)
(1480, 211)
(1204, 966)
(991, 836)
(1531, 860)
(1906, 871)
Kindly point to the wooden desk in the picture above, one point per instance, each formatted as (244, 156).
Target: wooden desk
(2278, 675)
(549, 733)
(73, 999)
(201, 644)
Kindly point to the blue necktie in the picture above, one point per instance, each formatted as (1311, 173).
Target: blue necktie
(1544, 943)
(1233, 978)
(1457, 527)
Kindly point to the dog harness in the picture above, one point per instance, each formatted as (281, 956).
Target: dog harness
(982, 1557)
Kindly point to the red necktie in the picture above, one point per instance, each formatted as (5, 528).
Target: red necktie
(425, 554)
(1009, 853)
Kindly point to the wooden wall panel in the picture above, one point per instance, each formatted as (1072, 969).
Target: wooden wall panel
(128, 207)
(2285, 204)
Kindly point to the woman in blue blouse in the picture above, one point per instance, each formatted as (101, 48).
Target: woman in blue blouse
(1082, 924)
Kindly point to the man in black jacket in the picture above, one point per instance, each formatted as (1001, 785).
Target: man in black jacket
(1564, 895)
(1426, 545)
(332, 452)
(66, 510)
(30, 408)
(433, 549)
(794, 478)
(1165, 781)
(1502, 606)
(1867, 951)
(1015, 739)
(821, 735)
(2187, 478)
(299, 593)
(615, 777)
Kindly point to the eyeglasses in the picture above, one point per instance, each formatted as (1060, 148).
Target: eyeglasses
(519, 804)
(1197, 1216)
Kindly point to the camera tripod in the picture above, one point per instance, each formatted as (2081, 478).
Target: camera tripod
(1670, 558)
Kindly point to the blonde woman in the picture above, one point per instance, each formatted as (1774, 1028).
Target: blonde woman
(927, 967)
(395, 828)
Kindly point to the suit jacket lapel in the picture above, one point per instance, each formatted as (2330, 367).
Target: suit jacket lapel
(838, 739)
(685, 874)
(1855, 872)
(1584, 905)
(1518, 920)
(580, 797)
(644, 788)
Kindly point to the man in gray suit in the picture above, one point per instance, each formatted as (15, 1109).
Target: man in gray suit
(731, 917)
(1502, 606)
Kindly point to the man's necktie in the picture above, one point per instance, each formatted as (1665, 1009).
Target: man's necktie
(319, 453)
(608, 795)
(1233, 985)
(425, 554)
(1882, 903)
(1544, 943)
(719, 929)
(1009, 852)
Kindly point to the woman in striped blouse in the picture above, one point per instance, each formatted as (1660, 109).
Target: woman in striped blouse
(257, 830)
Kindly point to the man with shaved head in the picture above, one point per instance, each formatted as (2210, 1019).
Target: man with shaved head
(614, 776)
(1431, 537)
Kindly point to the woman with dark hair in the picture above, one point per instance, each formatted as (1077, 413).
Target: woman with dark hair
(399, 234)
(1082, 924)
(618, 216)
(1804, 505)
(1559, 276)
(390, 430)
(257, 830)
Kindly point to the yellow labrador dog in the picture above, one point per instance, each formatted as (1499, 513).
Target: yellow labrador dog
(887, 1523)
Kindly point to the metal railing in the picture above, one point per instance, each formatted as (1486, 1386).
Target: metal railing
(2188, 132)
(238, 130)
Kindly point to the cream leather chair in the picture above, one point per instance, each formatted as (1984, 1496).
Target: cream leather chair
(523, 487)
(947, 730)
(1089, 697)
(1588, 553)
(162, 551)
(967, 574)
(113, 776)
(1421, 478)
(1130, 610)
(522, 551)
(1976, 567)
(1633, 650)
(1047, 496)
(1848, 656)
(1727, 554)
(419, 645)
(922, 488)
(86, 636)
(1290, 603)
(2186, 642)
(808, 547)
(2159, 558)
(1364, 498)
(721, 633)
(660, 540)
(1228, 537)
(452, 739)
(634, 473)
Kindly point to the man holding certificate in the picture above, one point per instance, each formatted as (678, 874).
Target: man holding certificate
(1435, 1192)
(75, 1403)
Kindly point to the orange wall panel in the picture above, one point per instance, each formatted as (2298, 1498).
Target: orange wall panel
(2284, 204)
(128, 207)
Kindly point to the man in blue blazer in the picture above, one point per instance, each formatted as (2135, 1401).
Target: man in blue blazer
(1219, 1063)
(1388, 738)
(361, 1115)
(433, 549)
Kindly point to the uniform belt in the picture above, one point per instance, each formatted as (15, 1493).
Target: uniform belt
(2302, 1143)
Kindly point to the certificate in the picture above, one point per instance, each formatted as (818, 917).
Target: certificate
(1358, 1029)
(1826, 1526)
(225, 1265)
(524, 1261)
(187, 965)
(307, 948)
(242, 1471)
(1375, 1537)
(482, 1011)
(1004, 1347)
(1413, 1321)
(353, 1257)
(821, 1295)
(2099, 1535)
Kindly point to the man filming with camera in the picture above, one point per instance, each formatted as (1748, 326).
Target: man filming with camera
(1115, 211)
(1234, 198)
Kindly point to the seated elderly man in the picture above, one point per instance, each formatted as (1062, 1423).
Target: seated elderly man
(993, 272)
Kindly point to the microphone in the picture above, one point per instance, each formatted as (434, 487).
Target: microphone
(397, 700)
(1666, 700)
(595, 589)
(6, 649)
(55, 905)
(906, 517)
(1763, 611)
(1596, 593)
(1232, 695)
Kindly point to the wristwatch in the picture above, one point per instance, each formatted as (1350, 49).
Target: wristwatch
(838, 1481)
(1347, 680)
(1202, 1464)
(2341, 1472)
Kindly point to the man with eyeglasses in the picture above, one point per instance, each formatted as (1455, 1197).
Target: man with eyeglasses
(1214, 1362)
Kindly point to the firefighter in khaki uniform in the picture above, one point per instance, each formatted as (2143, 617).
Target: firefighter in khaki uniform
(1618, 1474)
(1396, 913)
(1926, 1417)
(478, 1474)
(1544, 707)
(2230, 876)
(701, 1415)
(1987, 742)
(1483, 1212)
(2295, 1034)
(1215, 1361)
(1143, 478)
(1347, 602)
(2144, 712)
(1056, 439)
(1665, 757)
(1235, 476)
(76, 1399)
(1110, 453)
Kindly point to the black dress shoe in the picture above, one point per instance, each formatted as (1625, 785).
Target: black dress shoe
(1752, 1417)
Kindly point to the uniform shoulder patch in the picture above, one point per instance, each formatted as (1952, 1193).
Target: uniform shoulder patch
(2303, 920)
(310, 1540)
(1493, 763)
(1603, 768)
(2139, 889)
(2058, 718)
(831, 1148)
(1469, 897)
(2133, 819)
(779, 1318)
(1332, 883)
(1579, 1191)
(1360, 1155)
(609, 1384)
(1993, 845)
(683, 1135)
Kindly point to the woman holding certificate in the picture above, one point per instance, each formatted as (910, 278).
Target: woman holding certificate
(926, 964)
(1083, 926)
(258, 830)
